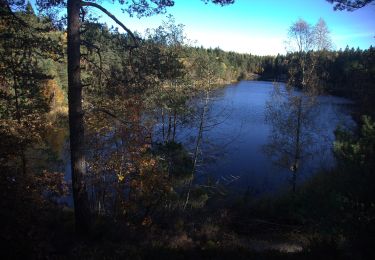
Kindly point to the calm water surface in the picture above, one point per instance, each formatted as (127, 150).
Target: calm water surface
(232, 149)
(235, 133)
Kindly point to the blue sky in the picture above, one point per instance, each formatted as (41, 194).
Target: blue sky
(257, 26)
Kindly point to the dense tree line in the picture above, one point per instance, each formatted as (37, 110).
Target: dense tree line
(348, 73)
(126, 87)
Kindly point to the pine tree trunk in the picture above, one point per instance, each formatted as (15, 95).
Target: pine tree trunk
(78, 163)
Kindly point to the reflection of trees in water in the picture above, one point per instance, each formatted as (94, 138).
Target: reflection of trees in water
(293, 115)
(217, 139)
(294, 130)
(208, 148)
(187, 117)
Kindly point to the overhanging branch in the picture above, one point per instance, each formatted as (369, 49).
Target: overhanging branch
(5, 9)
(101, 8)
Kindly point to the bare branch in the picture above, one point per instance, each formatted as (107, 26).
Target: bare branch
(101, 8)
(90, 45)
(109, 113)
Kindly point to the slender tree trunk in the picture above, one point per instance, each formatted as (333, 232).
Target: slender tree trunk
(294, 181)
(78, 162)
(18, 116)
(297, 154)
(169, 127)
(174, 125)
(303, 72)
(197, 145)
(162, 123)
(18, 110)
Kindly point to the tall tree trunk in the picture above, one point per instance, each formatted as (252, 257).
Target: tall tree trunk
(174, 125)
(18, 116)
(78, 162)
(197, 146)
(162, 123)
(297, 154)
(169, 127)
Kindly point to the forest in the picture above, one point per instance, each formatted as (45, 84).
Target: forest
(94, 162)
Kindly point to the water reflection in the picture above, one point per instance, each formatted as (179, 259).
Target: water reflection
(234, 146)
(231, 150)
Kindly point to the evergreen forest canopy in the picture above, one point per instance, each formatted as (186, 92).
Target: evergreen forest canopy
(110, 89)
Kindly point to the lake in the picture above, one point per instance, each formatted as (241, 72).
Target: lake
(236, 132)
(232, 149)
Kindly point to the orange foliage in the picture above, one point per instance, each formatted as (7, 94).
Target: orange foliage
(53, 93)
